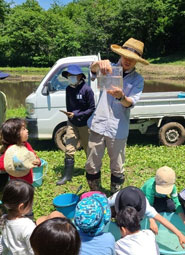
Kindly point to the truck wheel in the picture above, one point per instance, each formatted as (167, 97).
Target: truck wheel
(172, 134)
(60, 139)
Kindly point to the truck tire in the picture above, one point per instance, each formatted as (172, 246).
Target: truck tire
(172, 134)
(60, 139)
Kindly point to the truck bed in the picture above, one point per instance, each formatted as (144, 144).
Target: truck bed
(159, 104)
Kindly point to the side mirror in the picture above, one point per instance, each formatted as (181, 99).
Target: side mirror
(46, 88)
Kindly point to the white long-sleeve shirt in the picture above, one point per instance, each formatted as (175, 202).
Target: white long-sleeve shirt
(16, 236)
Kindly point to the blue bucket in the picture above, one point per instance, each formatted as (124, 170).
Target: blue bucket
(181, 95)
(38, 173)
(66, 204)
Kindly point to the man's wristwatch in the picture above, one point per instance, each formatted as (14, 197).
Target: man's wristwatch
(122, 98)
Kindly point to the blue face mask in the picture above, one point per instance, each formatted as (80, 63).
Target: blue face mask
(73, 80)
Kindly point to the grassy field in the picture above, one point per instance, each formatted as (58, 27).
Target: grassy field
(143, 157)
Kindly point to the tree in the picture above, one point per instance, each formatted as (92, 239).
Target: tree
(23, 35)
(4, 9)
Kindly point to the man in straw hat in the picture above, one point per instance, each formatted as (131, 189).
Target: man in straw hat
(109, 125)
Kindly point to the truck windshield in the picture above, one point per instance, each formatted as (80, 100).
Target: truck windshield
(58, 82)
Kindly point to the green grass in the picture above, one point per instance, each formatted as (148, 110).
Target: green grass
(143, 158)
(16, 112)
(26, 70)
(173, 59)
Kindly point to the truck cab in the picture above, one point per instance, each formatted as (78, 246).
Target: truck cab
(45, 121)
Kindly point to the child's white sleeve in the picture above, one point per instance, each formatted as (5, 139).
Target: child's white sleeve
(112, 199)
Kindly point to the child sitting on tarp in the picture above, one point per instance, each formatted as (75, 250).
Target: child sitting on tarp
(161, 192)
(134, 240)
(92, 214)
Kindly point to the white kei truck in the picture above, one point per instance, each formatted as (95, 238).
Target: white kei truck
(161, 113)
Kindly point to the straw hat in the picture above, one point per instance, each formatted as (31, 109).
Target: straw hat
(18, 160)
(132, 48)
(165, 180)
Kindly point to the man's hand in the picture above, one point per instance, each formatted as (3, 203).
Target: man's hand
(115, 92)
(103, 65)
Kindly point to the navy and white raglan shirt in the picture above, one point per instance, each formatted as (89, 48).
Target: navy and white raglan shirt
(80, 101)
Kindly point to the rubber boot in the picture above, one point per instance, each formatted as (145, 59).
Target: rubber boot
(116, 183)
(68, 172)
(94, 181)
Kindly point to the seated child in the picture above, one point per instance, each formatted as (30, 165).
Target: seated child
(161, 192)
(14, 137)
(134, 197)
(91, 216)
(134, 241)
(55, 237)
(16, 228)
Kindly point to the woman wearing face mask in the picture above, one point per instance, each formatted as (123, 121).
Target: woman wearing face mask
(80, 105)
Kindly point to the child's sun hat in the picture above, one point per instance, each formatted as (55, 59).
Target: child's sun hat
(92, 214)
(164, 180)
(18, 160)
(131, 196)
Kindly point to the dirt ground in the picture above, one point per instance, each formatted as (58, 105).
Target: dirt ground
(172, 74)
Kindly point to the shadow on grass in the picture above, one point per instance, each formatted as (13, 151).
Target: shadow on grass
(43, 145)
(139, 139)
(133, 139)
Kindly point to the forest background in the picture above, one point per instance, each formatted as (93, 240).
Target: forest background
(32, 36)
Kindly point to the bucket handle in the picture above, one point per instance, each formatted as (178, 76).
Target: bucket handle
(45, 164)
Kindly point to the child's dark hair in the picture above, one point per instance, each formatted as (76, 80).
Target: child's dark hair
(129, 219)
(10, 131)
(17, 191)
(56, 236)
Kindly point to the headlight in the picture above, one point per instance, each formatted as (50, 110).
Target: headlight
(30, 108)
